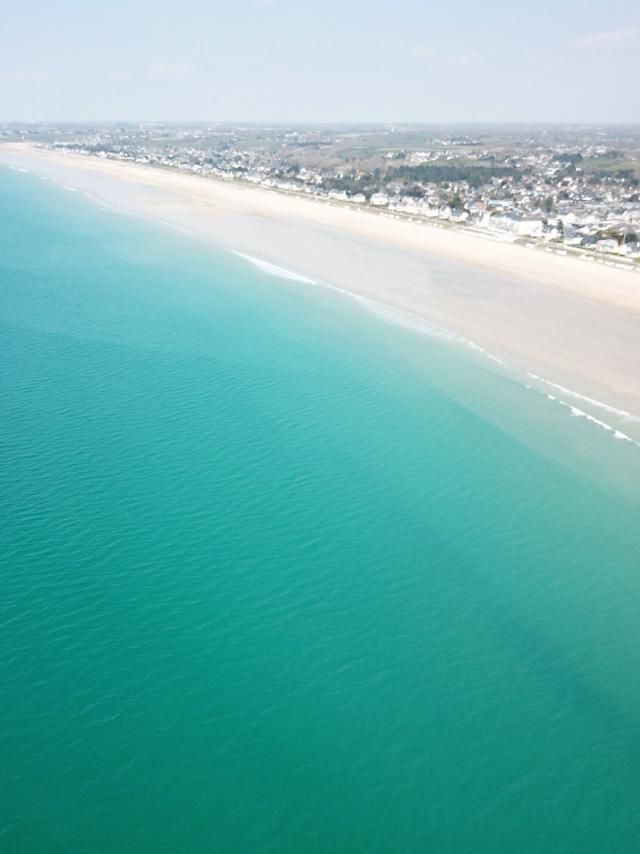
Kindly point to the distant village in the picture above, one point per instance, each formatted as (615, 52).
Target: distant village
(564, 190)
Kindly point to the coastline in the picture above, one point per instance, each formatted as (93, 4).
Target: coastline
(557, 319)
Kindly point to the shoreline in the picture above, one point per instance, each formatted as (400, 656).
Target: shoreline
(572, 273)
(557, 319)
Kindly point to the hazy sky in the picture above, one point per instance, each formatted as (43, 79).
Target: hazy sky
(341, 60)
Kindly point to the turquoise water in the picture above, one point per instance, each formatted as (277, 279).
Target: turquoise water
(276, 579)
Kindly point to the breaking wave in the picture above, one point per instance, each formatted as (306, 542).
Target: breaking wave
(410, 321)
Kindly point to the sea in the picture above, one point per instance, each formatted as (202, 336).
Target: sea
(285, 572)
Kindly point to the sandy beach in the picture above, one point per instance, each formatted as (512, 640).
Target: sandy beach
(574, 323)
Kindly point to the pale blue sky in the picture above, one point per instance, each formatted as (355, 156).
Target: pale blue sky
(336, 60)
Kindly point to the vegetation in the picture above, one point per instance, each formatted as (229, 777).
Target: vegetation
(432, 173)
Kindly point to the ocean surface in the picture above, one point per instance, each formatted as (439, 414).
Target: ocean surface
(281, 575)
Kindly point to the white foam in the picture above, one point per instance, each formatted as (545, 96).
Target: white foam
(622, 413)
(580, 413)
(391, 315)
(274, 269)
(417, 324)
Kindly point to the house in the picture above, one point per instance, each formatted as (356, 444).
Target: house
(530, 227)
(607, 245)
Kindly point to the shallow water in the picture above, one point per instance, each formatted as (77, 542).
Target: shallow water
(283, 576)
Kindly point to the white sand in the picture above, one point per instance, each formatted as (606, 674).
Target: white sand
(572, 322)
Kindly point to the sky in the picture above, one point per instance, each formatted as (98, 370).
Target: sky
(331, 61)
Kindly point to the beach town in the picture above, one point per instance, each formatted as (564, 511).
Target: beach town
(564, 190)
